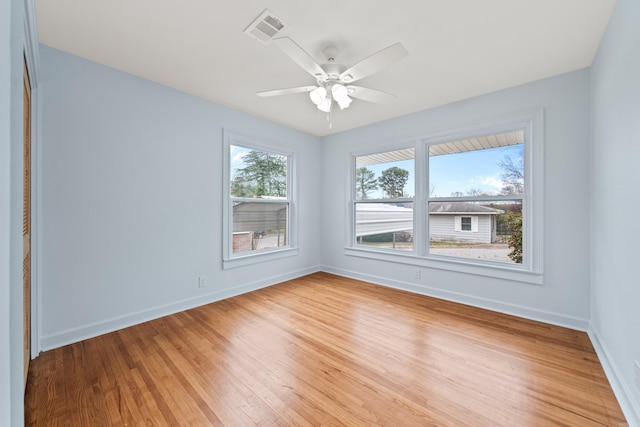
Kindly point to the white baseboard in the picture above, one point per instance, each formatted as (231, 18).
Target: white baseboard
(71, 336)
(630, 409)
(620, 389)
(489, 304)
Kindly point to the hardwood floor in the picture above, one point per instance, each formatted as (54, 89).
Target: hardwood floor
(325, 350)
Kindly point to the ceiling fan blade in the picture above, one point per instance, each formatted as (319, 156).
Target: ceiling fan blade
(370, 95)
(288, 91)
(299, 56)
(374, 63)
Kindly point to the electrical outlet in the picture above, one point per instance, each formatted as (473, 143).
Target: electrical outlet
(202, 281)
(636, 374)
(417, 273)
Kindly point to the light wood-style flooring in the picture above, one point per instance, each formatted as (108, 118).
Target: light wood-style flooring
(325, 350)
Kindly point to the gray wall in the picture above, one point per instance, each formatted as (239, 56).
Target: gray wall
(131, 200)
(564, 296)
(615, 198)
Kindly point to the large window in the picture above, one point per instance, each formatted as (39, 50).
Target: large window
(383, 205)
(469, 200)
(477, 186)
(258, 199)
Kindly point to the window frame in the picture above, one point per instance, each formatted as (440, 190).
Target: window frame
(464, 224)
(531, 270)
(351, 236)
(229, 258)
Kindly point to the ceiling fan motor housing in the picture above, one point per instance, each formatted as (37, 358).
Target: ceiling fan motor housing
(332, 71)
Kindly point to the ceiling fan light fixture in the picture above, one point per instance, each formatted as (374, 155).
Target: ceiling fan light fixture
(333, 80)
(344, 103)
(325, 105)
(339, 92)
(318, 95)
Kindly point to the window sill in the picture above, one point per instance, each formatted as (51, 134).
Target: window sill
(257, 257)
(459, 265)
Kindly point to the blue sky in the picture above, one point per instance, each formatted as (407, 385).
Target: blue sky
(457, 172)
(448, 173)
(237, 154)
(471, 170)
(237, 157)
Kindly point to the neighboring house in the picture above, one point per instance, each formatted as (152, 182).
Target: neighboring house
(448, 221)
(462, 222)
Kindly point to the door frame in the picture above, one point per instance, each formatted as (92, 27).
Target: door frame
(26, 221)
(32, 61)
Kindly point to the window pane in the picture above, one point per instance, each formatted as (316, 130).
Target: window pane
(486, 166)
(257, 173)
(388, 175)
(489, 230)
(385, 225)
(465, 223)
(259, 225)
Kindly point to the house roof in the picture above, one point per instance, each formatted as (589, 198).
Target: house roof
(457, 208)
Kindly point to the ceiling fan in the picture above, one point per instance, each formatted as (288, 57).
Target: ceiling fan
(334, 80)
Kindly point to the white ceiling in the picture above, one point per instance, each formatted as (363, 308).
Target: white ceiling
(457, 48)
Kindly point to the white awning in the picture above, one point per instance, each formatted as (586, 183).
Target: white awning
(378, 218)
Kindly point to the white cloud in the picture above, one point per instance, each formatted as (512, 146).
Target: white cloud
(488, 183)
(238, 156)
(493, 182)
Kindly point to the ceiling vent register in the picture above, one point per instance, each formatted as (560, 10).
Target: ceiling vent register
(265, 27)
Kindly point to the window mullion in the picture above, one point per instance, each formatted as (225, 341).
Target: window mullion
(420, 216)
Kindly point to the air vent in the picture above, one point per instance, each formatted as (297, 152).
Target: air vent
(265, 27)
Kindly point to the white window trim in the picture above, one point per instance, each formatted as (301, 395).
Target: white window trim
(229, 259)
(351, 241)
(458, 223)
(531, 271)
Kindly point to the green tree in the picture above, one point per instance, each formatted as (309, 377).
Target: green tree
(392, 181)
(241, 188)
(514, 223)
(262, 174)
(513, 183)
(366, 182)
